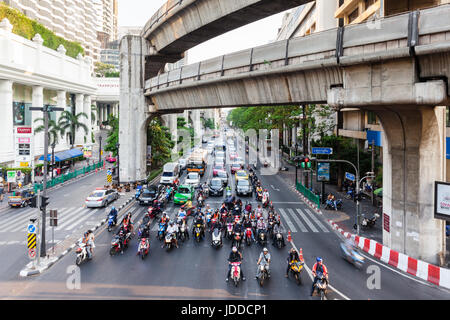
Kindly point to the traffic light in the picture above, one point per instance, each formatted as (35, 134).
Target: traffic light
(44, 202)
(33, 202)
(306, 163)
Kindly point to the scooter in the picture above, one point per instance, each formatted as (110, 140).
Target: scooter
(262, 238)
(279, 239)
(296, 269)
(263, 273)
(352, 256)
(248, 236)
(169, 241)
(229, 230)
(330, 205)
(258, 196)
(235, 272)
(321, 286)
(81, 253)
(265, 201)
(161, 230)
(369, 223)
(143, 247)
(111, 222)
(182, 230)
(216, 238)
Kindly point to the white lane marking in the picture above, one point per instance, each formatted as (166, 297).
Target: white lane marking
(274, 188)
(18, 224)
(321, 226)
(72, 216)
(288, 221)
(299, 223)
(309, 223)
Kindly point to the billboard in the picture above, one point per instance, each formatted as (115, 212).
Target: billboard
(323, 172)
(442, 200)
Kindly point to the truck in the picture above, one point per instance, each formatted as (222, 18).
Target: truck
(197, 161)
(170, 172)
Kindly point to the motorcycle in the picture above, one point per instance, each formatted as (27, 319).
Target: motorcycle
(169, 242)
(228, 193)
(259, 196)
(263, 273)
(236, 272)
(81, 252)
(115, 244)
(321, 286)
(111, 223)
(153, 212)
(237, 239)
(206, 191)
(369, 223)
(265, 201)
(143, 247)
(270, 228)
(296, 269)
(208, 219)
(248, 236)
(161, 230)
(183, 234)
(262, 238)
(201, 201)
(331, 206)
(279, 239)
(352, 256)
(229, 230)
(198, 232)
(350, 194)
(216, 238)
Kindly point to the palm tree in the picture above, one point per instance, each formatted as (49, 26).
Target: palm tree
(54, 130)
(72, 123)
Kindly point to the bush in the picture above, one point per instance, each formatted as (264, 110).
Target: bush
(27, 28)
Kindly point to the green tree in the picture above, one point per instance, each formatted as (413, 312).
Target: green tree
(54, 130)
(113, 135)
(103, 69)
(72, 123)
(160, 139)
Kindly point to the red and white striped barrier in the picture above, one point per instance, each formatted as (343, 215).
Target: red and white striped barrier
(308, 202)
(423, 270)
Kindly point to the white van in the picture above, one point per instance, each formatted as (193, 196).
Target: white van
(171, 171)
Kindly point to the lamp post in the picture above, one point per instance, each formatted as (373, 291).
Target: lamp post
(100, 148)
(53, 158)
(296, 164)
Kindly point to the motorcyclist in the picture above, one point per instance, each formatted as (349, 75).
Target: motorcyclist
(145, 232)
(319, 267)
(199, 219)
(173, 230)
(247, 223)
(217, 224)
(164, 219)
(235, 256)
(121, 233)
(260, 226)
(113, 213)
(181, 213)
(266, 194)
(293, 257)
(248, 207)
(127, 223)
(276, 229)
(259, 189)
(88, 239)
(259, 211)
(331, 200)
(223, 208)
(264, 260)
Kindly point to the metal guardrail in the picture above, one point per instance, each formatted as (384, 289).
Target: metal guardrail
(308, 194)
(68, 176)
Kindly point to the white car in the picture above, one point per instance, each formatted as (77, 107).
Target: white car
(101, 198)
(182, 163)
(193, 178)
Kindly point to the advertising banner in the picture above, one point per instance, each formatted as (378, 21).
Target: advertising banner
(442, 200)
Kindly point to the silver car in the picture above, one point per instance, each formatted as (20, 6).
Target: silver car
(101, 198)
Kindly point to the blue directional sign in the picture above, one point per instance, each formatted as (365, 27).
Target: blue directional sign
(350, 176)
(322, 150)
(31, 228)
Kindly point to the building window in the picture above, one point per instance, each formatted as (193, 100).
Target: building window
(21, 114)
(353, 16)
(371, 118)
(368, 3)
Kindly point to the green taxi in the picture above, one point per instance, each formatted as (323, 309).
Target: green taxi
(184, 193)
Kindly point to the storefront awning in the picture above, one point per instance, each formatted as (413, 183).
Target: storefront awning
(64, 155)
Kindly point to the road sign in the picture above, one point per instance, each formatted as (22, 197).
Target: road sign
(11, 176)
(31, 243)
(31, 228)
(53, 218)
(350, 176)
(322, 150)
(108, 172)
(109, 178)
(32, 253)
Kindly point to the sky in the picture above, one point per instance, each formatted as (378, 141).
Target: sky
(138, 12)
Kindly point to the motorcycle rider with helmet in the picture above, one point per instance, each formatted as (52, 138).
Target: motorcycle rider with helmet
(173, 229)
(277, 228)
(113, 213)
(264, 260)
(235, 256)
(319, 267)
(293, 257)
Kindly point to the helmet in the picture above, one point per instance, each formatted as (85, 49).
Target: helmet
(234, 249)
(113, 208)
(265, 190)
(319, 259)
(265, 250)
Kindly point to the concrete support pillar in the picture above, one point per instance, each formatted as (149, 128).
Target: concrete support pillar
(87, 109)
(134, 110)
(62, 103)
(79, 107)
(7, 131)
(37, 100)
(197, 124)
(413, 159)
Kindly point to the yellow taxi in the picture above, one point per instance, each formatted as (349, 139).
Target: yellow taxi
(241, 174)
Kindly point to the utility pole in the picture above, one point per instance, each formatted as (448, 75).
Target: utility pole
(373, 170)
(100, 148)
(46, 109)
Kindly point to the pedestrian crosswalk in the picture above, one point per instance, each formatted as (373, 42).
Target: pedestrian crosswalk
(68, 218)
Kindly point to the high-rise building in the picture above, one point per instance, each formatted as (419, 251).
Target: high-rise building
(73, 20)
(106, 23)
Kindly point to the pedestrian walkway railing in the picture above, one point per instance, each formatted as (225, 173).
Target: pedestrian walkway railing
(68, 176)
(308, 194)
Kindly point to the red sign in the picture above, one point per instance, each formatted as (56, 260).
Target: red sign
(24, 130)
(386, 223)
(32, 253)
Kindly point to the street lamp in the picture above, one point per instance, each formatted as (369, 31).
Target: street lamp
(53, 158)
(100, 148)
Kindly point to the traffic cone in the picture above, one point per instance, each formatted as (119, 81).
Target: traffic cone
(289, 236)
(301, 254)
